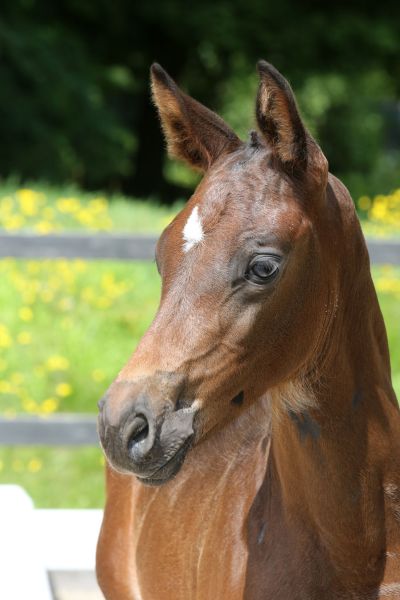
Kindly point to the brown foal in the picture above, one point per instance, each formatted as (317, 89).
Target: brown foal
(254, 436)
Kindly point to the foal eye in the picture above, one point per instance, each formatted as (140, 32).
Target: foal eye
(262, 269)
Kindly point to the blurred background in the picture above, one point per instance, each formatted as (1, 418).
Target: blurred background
(81, 149)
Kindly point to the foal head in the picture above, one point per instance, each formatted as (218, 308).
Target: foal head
(246, 283)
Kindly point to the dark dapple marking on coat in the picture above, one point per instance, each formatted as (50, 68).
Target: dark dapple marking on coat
(292, 493)
(306, 425)
(357, 399)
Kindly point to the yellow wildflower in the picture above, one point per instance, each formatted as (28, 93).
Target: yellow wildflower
(25, 313)
(5, 387)
(49, 406)
(378, 211)
(68, 205)
(34, 465)
(63, 390)
(98, 204)
(28, 201)
(98, 375)
(103, 303)
(33, 267)
(44, 227)
(385, 211)
(107, 281)
(7, 204)
(13, 222)
(30, 406)
(84, 217)
(5, 338)
(79, 265)
(57, 363)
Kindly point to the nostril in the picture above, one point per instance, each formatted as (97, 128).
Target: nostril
(138, 431)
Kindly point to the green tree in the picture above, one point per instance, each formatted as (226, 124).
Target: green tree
(74, 94)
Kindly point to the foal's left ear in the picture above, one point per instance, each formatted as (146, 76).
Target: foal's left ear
(194, 133)
(279, 120)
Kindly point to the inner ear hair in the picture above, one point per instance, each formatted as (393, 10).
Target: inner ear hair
(278, 118)
(193, 133)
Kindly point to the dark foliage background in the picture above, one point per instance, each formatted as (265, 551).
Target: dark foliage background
(74, 95)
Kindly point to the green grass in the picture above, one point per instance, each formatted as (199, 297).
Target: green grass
(384, 232)
(45, 208)
(56, 477)
(390, 306)
(141, 216)
(67, 328)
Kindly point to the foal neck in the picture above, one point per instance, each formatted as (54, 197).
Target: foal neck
(336, 459)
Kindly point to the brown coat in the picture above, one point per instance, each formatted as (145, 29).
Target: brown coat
(258, 407)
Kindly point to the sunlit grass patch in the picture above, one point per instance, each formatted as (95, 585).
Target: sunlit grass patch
(67, 328)
(45, 209)
(387, 282)
(381, 214)
(56, 477)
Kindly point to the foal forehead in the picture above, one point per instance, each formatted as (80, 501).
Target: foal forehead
(240, 198)
(244, 189)
(243, 175)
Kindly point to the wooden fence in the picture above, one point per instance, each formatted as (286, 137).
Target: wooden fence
(129, 247)
(75, 430)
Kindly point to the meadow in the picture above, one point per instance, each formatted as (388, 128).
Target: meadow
(67, 327)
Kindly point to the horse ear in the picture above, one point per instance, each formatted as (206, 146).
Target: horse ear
(194, 133)
(278, 117)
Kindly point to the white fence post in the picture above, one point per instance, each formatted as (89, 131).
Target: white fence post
(35, 542)
(22, 571)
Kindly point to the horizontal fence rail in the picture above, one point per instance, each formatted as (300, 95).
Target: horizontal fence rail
(384, 251)
(75, 245)
(54, 430)
(124, 246)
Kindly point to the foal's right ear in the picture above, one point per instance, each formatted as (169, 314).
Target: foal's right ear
(280, 122)
(279, 118)
(194, 133)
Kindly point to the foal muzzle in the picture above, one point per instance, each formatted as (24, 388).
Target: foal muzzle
(141, 439)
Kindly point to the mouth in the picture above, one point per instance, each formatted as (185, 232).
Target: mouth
(169, 469)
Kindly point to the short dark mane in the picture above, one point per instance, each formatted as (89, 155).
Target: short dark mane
(254, 140)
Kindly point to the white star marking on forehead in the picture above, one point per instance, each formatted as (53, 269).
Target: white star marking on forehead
(193, 230)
